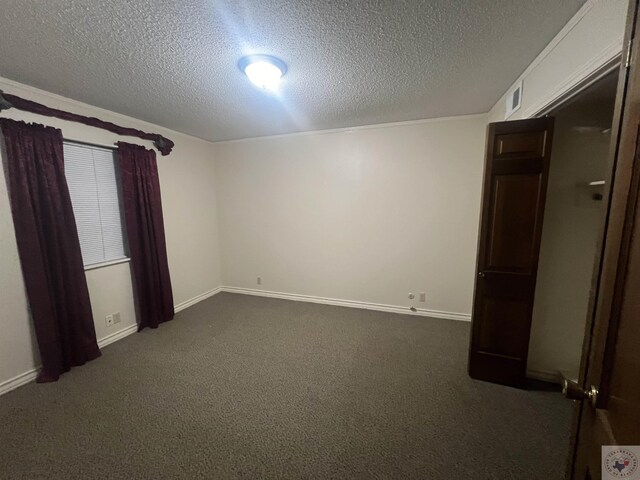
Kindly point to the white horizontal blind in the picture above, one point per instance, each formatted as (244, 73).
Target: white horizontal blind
(94, 189)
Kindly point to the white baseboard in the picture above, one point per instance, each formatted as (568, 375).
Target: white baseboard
(18, 380)
(114, 337)
(192, 301)
(423, 312)
(31, 375)
(551, 377)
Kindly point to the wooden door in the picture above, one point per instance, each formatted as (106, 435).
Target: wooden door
(515, 184)
(608, 412)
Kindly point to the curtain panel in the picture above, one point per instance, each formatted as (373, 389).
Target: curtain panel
(48, 247)
(145, 234)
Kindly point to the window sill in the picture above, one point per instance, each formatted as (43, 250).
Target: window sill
(107, 264)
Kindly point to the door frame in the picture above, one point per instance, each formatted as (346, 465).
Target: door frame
(609, 265)
(580, 86)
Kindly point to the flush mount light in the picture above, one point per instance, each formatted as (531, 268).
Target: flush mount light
(264, 71)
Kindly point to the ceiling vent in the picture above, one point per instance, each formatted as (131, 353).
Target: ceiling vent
(514, 100)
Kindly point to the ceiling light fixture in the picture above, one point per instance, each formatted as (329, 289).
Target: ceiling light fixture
(264, 71)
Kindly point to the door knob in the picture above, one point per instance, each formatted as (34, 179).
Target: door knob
(481, 274)
(573, 391)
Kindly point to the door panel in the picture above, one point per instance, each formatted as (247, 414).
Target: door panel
(507, 322)
(516, 171)
(531, 144)
(623, 405)
(511, 243)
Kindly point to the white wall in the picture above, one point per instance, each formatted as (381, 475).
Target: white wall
(187, 181)
(592, 39)
(368, 214)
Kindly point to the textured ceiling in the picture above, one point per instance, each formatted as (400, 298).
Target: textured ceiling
(351, 62)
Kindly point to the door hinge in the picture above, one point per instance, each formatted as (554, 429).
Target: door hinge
(627, 62)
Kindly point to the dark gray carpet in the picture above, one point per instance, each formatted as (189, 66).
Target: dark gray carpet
(248, 387)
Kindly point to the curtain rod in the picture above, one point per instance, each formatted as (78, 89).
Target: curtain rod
(7, 101)
(91, 144)
(113, 146)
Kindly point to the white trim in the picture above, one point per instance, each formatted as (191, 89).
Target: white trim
(192, 301)
(120, 334)
(593, 70)
(423, 312)
(354, 128)
(551, 377)
(108, 263)
(570, 25)
(114, 337)
(19, 380)
(584, 76)
(31, 375)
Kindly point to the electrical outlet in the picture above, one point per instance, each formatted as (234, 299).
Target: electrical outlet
(116, 317)
(109, 320)
(259, 280)
(423, 297)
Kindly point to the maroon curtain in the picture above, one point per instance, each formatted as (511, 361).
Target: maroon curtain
(145, 233)
(48, 246)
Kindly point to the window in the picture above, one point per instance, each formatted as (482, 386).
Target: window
(95, 195)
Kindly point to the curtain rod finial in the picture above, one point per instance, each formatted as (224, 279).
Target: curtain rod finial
(164, 145)
(4, 103)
